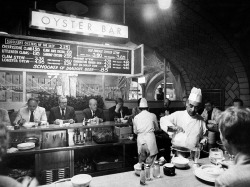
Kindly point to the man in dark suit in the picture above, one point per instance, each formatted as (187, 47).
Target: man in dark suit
(118, 110)
(93, 112)
(62, 112)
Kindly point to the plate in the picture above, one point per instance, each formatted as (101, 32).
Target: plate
(202, 175)
(25, 146)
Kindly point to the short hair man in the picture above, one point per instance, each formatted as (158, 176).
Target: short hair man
(190, 124)
(210, 113)
(234, 126)
(237, 102)
(4, 117)
(62, 112)
(118, 110)
(31, 113)
(93, 112)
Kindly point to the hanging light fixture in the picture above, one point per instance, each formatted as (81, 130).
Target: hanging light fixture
(164, 4)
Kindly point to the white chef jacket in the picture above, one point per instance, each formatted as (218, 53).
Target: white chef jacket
(145, 123)
(194, 126)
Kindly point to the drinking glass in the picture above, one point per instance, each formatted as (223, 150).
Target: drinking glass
(215, 155)
(195, 154)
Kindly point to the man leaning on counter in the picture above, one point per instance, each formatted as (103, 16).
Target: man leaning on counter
(62, 112)
(190, 126)
(31, 113)
(93, 112)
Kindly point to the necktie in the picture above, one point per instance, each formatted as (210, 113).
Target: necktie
(93, 114)
(32, 116)
(63, 114)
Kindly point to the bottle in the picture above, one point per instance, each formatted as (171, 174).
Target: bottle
(142, 175)
(156, 170)
(84, 122)
(147, 171)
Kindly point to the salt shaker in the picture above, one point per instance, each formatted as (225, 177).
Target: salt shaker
(147, 171)
(156, 170)
(142, 175)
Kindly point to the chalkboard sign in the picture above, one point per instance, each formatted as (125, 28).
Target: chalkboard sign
(36, 54)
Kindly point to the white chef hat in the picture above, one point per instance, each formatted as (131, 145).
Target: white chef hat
(143, 103)
(195, 96)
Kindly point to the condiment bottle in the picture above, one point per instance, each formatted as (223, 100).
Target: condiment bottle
(147, 171)
(156, 170)
(142, 175)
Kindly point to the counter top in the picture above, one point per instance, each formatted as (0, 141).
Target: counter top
(71, 126)
(183, 177)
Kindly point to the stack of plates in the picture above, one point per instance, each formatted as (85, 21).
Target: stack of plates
(25, 146)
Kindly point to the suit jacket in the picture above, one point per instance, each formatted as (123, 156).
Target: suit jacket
(112, 113)
(39, 114)
(87, 114)
(56, 114)
(4, 117)
(236, 175)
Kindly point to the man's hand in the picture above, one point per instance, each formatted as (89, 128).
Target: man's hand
(57, 122)
(176, 129)
(71, 121)
(21, 121)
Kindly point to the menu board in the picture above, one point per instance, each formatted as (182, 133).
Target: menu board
(48, 54)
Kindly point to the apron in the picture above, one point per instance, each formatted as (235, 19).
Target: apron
(149, 139)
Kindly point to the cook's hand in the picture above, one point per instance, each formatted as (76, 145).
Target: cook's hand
(57, 121)
(177, 128)
(29, 182)
(126, 117)
(71, 121)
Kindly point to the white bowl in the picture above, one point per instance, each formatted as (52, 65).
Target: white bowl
(82, 180)
(137, 168)
(29, 125)
(180, 162)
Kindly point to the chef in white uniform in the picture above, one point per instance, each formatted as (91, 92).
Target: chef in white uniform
(189, 125)
(145, 123)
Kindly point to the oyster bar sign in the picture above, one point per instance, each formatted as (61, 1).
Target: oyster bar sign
(76, 25)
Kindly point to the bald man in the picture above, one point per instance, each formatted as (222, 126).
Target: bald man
(93, 111)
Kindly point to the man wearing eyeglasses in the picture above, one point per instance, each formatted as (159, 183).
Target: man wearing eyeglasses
(62, 112)
(188, 124)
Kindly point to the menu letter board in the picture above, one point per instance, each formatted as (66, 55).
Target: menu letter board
(34, 54)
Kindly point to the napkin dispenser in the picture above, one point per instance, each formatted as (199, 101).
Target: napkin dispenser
(52, 139)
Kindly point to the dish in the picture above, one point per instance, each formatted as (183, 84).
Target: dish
(26, 146)
(180, 162)
(29, 125)
(81, 180)
(201, 175)
(208, 172)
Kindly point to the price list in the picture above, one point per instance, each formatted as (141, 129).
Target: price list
(58, 56)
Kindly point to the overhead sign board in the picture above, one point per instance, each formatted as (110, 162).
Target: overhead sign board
(43, 20)
(42, 54)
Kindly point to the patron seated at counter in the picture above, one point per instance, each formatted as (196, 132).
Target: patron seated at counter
(93, 112)
(234, 126)
(62, 112)
(210, 114)
(4, 117)
(237, 102)
(189, 125)
(31, 113)
(118, 110)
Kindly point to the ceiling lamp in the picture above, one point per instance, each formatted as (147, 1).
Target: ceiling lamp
(164, 4)
(72, 7)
